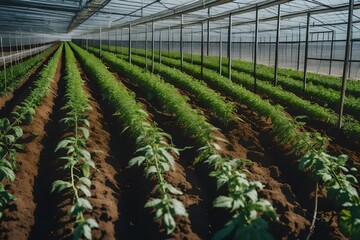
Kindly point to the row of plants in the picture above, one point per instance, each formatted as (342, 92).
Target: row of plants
(208, 98)
(11, 131)
(332, 82)
(241, 198)
(329, 170)
(287, 99)
(16, 73)
(77, 159)
(325, 96)
(153, 152)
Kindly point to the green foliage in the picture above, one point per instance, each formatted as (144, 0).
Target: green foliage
(277, 94)
(11, 132)
(207, 97)
(77, 157)
(242, 198)
(16, 73)
(153, 152)
(324, 167)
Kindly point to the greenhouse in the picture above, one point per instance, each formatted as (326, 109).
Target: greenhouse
(164, 119)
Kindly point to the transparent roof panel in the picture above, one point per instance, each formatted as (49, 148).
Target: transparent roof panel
(79, 17)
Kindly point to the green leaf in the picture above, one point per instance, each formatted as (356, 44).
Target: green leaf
(137, 161)
(179, 208)
(150, 170)
(85, 132)
(153, 202)
(60, 185)
(223, 202)
(85, 181)
(85, 190)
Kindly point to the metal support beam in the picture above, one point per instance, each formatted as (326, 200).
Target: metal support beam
(208, 35)
(100, 41)
(306, 48)
(4, 66)
(181, 43)
(298, 50)
(277, 46)
(129, 50)
(108, 41)
(202, 50)
(346, 61)
(116, 40)
(229, 45)
(160, 47)
(191, 46)
(256, 46)
(351, 56)
(220, 53)
(146, 47)
(152, 47)
(168, 42)
(86, 12)
(331, 51)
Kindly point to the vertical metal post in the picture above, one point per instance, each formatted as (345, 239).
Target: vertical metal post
(108, 40)
(11, 59)
(220, 53)
(351, 54)
(30, 46)
(256, 46)
(2, 55)
(240, 47)
(129, 50)
(100, 41)
(331, 51)
(208, 35)
(346, 60)
(181, 42)
(306, 48)
(286, 50)
(17, 48)
(202, 50)
(169, 42)
(116, 40)
(298, 50)
(21, 47)
(152, 47)
(146, 47)
(277, 46)
(160, 47)
(191, 46)
(270, 50)
(229, 55)
(291, 50)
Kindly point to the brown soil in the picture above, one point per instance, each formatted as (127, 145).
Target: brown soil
(19, 217)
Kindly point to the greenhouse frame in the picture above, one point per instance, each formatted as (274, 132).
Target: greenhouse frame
(187, 119)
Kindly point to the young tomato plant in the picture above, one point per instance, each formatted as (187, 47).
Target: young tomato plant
(11, 132)
(153, 152)
(77, 157)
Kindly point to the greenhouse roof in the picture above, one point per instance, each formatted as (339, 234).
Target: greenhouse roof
(80, 17)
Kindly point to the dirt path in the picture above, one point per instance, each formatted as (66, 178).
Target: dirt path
(19, 218)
